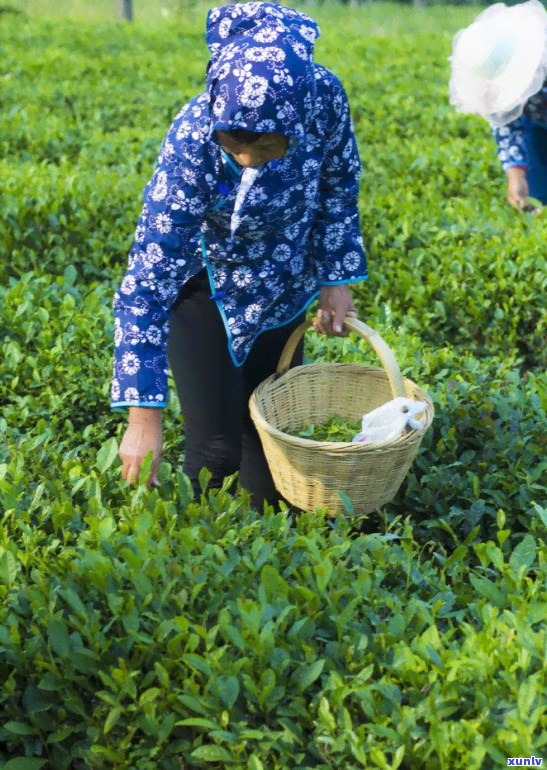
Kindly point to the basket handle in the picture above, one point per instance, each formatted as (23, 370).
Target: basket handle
(384, 352)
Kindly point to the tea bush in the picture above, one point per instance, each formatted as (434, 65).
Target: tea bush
(146, 630)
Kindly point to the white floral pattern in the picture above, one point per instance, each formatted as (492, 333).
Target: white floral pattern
(511, 140)
(130, 363)
(296, 226)
(164, 223)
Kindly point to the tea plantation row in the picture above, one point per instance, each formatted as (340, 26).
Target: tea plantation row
(145, 630)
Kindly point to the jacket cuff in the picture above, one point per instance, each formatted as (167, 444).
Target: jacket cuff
(125, 404)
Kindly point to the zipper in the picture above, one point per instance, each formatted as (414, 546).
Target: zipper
(231, 163)
(224, 189)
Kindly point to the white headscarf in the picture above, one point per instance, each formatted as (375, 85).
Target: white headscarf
(500, 61)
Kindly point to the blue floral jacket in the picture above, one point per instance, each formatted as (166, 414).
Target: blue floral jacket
(269, 237)
(511, 139)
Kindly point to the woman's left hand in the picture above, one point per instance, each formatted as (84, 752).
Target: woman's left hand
(335, 304)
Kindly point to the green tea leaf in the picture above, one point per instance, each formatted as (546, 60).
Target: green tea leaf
(487, 589)
(19, 728)
(107, 454)
(70, 275)
(9, 568)
(207, 724)
(524, 554)
(212, 754)
(306, 675)
(194, 704)
(149, 696)
(162, 674)
(334, 429)
(434, 657)
(198, 663)
(48, 682)
(346, 503)
(62, 734)
(229, 690)
(205, 477)
(542, 513)
(323, 573)
(35, 701)
(24, 763)
(58, 638)
(112, 719)
(73, 600)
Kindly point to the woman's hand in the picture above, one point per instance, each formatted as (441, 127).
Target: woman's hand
(335, 304)
(517, 189)
(144, 434)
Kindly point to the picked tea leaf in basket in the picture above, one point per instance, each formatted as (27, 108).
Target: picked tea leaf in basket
(311, 471)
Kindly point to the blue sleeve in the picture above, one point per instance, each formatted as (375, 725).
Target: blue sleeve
(339, 255)
(166, 239)
(511, 144)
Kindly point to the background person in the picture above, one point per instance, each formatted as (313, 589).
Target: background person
(499, 71)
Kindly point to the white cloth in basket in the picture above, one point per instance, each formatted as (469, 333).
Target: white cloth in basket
(389, 421)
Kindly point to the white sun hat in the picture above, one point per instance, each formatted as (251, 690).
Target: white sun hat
(500, 61)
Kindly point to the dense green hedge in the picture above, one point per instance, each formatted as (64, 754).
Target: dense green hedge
(143, 630)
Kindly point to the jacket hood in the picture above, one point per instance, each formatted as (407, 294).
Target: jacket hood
(261, 75)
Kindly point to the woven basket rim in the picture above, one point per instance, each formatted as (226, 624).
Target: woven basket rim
(338, 446)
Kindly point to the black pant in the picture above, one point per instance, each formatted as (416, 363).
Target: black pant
(214, 394)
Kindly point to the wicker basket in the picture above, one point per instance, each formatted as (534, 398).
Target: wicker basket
(309, 474)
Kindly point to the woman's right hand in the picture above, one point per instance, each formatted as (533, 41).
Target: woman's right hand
(517, 189)
(144, 434)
